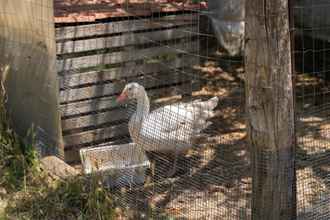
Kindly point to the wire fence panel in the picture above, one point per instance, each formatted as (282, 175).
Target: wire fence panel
(311, 25)
(185, 108)
(152, 97)
(211, 178)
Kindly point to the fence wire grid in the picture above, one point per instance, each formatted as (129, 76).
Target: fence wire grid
(170, 150)
(312, 108)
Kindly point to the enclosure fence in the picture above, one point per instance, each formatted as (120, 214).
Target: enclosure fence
(174, 151)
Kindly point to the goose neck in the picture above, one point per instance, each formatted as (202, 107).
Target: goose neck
(143, 105)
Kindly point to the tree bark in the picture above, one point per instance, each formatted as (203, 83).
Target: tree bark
(27, 50)
(270, 111)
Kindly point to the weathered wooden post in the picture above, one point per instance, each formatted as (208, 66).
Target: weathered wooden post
(270, 111)
(27, 49)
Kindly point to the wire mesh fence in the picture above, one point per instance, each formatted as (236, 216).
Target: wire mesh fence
(183, 105)
(186, 112)
(312, 88)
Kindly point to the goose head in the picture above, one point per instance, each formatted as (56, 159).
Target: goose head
(131, 91)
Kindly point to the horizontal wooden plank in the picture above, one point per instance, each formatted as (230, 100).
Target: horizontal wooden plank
(126, 70)
(149, 81)
(77, 108)
(95, 119)
(95, 135)
(67, 64)
(116, 27)
(125, 40)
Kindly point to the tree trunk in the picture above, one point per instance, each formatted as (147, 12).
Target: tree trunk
(270, 111)
(28, 53)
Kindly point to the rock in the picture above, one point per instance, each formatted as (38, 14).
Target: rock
(57, 167)
(3, 205)
(3, 192)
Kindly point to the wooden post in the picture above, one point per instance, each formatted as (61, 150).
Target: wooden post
(27, 48)
(270, 112)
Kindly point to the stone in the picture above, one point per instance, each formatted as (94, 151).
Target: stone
(57, 167)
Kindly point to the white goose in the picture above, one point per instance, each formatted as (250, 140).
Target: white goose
(170, 129)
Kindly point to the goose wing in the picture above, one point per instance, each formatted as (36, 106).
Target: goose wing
(169, 118)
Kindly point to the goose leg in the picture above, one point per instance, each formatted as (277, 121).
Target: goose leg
(153, 165)
(151, 176)
(173, 170)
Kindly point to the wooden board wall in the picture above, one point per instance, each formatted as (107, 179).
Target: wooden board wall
(95, 61)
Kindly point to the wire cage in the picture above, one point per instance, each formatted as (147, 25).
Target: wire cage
(180, 128)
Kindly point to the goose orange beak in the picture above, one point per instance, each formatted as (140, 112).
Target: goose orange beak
(122, 97)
